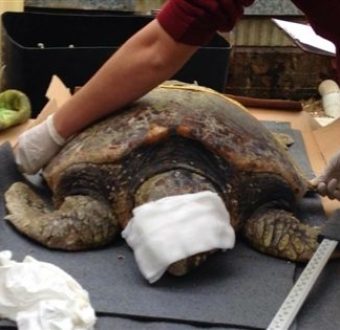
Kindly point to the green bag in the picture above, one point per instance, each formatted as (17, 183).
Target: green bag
(15, 108)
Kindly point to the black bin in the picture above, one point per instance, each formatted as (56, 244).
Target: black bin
(73, 46)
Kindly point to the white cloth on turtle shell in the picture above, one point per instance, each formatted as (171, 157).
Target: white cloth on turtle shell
(176, 227)
(41, 296)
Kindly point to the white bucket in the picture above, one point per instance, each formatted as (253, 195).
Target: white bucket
(329, 90)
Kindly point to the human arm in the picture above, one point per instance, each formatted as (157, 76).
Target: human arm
(145, 60)
(148, 58)
(151, 56)
(324, 18)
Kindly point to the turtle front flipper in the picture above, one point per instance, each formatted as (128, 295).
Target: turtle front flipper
(81, 222)
(278, 233)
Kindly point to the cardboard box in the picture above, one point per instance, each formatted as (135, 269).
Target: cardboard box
(320, 142)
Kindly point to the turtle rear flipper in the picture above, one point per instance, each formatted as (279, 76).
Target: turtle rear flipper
(279, 233)
(81, 222)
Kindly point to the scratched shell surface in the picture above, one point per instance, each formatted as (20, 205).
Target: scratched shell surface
(220, 124)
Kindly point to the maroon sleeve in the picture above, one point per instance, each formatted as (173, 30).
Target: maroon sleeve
(324, 16)
(194, 22)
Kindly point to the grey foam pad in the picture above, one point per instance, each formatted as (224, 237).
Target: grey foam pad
(321, 308)
(109, 323)
(240, 288)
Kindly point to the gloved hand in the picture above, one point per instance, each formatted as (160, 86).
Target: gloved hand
(328, 183)
(37, 146)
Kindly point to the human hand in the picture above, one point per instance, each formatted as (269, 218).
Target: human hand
(328, 183)
(37, 146)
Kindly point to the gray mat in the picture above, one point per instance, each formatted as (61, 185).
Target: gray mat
(321, 310)
(110, 323)
(239, 289)
(120, 323)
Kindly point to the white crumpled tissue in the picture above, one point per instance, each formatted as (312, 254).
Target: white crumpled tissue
(176, 227)
(41, 296)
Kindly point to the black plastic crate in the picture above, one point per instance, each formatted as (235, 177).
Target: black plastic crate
(38, 45)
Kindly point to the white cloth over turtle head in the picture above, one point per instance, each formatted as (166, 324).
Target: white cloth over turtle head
(173, 228)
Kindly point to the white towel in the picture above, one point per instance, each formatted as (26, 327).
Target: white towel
(176, 227)
(41, 296)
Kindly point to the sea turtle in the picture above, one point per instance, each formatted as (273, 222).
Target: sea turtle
(177, 139)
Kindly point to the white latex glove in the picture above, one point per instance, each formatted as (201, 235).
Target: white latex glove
(328, 183)
(41, 296)
(37, 146)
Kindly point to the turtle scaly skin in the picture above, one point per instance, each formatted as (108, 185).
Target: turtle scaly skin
(177, 139)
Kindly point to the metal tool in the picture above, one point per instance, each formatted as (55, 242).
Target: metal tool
(330, 237)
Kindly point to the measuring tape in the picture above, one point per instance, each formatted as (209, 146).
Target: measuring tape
(297, 295)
